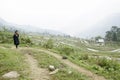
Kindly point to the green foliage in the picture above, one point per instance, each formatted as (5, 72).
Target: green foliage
(44, 59)
(25, 40)
(63, 74)
(11, 60)
(65, 49)
(49, 44)
(84, 57)
(98, 37)
(113, 34)
(110, 69)
(108, 64)
(6, 36)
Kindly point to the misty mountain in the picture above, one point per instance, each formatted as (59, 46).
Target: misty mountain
(28, 28)
(101, 27)
(2, 22)
(7, 25)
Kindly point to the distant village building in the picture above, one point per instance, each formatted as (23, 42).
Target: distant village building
(100, 42)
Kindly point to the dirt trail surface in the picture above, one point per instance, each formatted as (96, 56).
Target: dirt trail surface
(36, 73)
(42, 74)
(117, 50)
(74, 66)
(92, 50)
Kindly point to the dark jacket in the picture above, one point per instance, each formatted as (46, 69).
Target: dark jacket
(16, 39)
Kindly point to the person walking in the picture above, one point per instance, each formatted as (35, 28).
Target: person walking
(16, 39)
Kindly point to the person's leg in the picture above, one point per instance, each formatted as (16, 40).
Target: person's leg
(16, 46)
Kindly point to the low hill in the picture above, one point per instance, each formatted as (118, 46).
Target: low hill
(28, 28)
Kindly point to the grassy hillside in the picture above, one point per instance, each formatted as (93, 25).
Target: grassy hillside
(6, 36)
(12, 60)
(104, 62)
(45, 60)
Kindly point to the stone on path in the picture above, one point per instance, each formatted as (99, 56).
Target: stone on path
(69, 72)
(51, 68)
(12, 74)
(64, 57)
(54, 72)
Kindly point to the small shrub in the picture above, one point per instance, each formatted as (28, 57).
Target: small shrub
(25, 40)
(48, 44)
(5, 37)
(63, 49)
(83, 57)
(108, 65)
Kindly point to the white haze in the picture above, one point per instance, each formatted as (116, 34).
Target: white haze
(69, 16)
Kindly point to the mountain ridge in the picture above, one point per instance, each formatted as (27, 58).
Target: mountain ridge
(29, 28)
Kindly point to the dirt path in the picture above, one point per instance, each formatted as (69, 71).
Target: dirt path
(42, 74)
(92, 50)
(36, 73)
(74, 66)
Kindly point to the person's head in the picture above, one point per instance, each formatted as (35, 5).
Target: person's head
(16, 31)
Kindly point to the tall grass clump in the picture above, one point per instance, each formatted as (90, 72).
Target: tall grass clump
(12, 60)
(26, 40)
(65, 49)
(48, 44)
(6, 37)
(108, 64)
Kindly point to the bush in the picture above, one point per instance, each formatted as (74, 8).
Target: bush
(108, 64)
(25, 40)
(84, 57)
(48, 44)
(64, 49)
(6, 37)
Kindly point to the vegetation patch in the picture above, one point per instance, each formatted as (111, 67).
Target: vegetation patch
(12, 60)
(99, 65)
(65, 72)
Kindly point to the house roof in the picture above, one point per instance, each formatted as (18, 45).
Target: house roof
(100, 40)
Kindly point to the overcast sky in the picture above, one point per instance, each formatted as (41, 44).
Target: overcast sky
(69, 16)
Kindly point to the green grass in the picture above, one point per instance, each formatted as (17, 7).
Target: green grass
(7, 45)
(45, 60)
(12, 60)
(64, 75)
(110, 69)
(80, 56)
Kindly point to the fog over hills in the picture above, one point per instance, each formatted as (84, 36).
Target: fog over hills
(28, 28)
(2, 22)
(99, 28)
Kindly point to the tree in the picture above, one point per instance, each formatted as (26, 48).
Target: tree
(113, 34)
(108, 36)
(98, 37)
(118, 34)
(114, 28)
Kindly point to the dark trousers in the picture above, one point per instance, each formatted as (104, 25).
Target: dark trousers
(16, 46)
